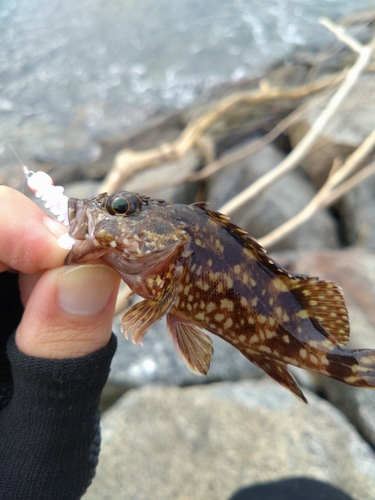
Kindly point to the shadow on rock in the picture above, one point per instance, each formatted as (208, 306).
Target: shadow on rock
(300, 488)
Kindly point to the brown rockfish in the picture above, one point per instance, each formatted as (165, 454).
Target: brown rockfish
(204, 273)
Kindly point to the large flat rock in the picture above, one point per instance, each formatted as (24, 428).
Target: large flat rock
(207, 442)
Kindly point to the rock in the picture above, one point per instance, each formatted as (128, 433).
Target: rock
(157, 362)
(208, 442)
(356, 213)
(357, 404)
(354, 270)
(351, 124)
(281, 201)
(82, 189)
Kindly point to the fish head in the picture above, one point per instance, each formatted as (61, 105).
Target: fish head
(130, 231)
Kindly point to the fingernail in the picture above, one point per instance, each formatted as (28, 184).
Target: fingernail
(85, 290)
(56, 228)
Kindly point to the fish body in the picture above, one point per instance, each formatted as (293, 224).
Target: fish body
(206, 274)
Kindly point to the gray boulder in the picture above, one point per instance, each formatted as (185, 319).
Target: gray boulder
(207, 442)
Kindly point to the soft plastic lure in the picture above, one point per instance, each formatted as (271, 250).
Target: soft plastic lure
(42, 185)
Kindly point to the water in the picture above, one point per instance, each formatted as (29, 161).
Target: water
(74, 71)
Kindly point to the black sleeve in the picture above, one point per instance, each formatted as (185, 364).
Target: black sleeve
(49, 422)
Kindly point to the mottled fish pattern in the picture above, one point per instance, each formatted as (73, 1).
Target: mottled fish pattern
(204, 273)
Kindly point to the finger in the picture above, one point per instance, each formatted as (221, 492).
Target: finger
(69, 313)
(28, 236)
(27, 283)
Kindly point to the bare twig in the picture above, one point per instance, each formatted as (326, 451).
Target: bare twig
(341, 35)
(348, 185)
(327, 194)
(247, 150)
(293, 159)
(127, 163)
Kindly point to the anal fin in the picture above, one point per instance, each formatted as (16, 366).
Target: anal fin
(192, 344)
(279, 372)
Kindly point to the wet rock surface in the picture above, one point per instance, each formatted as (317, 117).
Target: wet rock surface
(208, 442)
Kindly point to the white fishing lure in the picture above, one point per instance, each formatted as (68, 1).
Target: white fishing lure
(42, 185)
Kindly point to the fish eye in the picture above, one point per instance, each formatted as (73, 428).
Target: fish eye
(123, 203)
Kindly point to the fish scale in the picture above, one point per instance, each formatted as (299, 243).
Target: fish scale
(204, 273)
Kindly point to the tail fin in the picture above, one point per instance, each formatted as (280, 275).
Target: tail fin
(365, 369)
(354, 367)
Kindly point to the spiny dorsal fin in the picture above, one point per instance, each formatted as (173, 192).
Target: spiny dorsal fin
(247, 241)
(323, 300)
(201, 204)
(324, 303)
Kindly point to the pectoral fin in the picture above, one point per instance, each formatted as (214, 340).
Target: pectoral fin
(192, 344)
(140, 317)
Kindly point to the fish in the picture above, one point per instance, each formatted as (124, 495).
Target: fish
(205, 274)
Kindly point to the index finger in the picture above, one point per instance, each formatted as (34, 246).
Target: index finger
(28, 237)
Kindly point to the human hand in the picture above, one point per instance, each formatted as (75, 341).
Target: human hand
(68, 309)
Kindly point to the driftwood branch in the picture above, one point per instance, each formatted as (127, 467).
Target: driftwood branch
(127, 162)
(250, 149)
(302, 148)
(333, 188)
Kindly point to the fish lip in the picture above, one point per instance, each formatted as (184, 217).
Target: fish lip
(81, 222)
(82, 230)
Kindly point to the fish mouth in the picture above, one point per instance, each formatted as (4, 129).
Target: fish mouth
(82, 231)
(81, 221)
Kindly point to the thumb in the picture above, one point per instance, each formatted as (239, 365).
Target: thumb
(69, 312)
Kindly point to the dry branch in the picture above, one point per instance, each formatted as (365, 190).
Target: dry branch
(302, 148)
(127, 162)
(249, 149)
(329, 192)
(122, 301)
